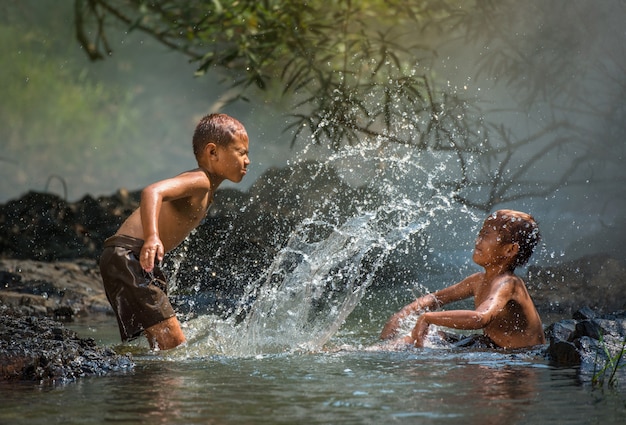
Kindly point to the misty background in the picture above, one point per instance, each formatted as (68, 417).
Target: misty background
(74, 127)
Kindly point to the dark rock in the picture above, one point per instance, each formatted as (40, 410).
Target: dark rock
(594, 345)
(585, 313)
(246, 231)
(63, 314)
(564, 353)
(562, 330)
(595, 282)
(590, 328)
(42, 350)
(42, 226)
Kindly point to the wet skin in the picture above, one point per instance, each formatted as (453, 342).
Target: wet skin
(170, 209)
(503, 307)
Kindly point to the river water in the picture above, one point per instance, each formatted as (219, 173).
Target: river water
(303, 345)
(354, 381)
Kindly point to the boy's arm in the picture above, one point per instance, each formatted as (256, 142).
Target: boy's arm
(465, 319)
(390, 330)
(152, 198)
(150, 207)
(459, 291)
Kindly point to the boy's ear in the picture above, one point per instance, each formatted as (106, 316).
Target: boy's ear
(211, 149)
(512, 249)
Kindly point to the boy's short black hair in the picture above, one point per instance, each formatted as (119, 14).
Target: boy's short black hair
(518, 228)
(220, 129)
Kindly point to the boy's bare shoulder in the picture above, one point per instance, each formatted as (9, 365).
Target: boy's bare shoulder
(509, 283)
(477, 278)
(510, 278)
(192, 186)
(193, 179)
(196, 173)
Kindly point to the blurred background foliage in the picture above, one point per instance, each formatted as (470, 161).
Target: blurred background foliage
(52, 105)
(90, 126)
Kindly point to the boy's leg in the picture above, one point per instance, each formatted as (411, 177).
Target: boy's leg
(166, 334)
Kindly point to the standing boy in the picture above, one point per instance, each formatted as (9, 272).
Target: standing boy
(503, 307)
(169, 210)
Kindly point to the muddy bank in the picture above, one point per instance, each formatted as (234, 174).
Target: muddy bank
(36, 300)
(60, 289)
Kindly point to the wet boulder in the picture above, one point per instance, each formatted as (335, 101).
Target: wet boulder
(592, 341)
(43, 350)
(246, 230)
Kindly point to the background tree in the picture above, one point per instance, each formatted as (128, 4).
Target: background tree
(357, 70)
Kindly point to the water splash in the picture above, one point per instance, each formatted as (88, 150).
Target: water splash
(313, 285)
(321, 274)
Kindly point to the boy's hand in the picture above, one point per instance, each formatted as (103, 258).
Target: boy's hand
(419, 331)
(151, 251)
(390, 330)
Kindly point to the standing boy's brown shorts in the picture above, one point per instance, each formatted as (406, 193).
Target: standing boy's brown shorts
(139, 299)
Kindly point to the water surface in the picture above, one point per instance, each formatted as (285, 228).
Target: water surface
(351, 383)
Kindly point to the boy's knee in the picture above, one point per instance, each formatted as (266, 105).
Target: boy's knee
(165, 335)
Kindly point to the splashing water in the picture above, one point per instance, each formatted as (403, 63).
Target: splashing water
(317, 279)
(313, 286)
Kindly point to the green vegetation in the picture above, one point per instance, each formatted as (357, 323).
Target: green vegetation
(608, 371)
(356, 71)
(346, 72)
(50, 105)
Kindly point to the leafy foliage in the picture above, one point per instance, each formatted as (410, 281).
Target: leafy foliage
(362, 69)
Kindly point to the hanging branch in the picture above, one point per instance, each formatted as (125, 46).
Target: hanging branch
(355, 72)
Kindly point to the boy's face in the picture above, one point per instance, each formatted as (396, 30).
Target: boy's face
(489, 249)
(232, 160)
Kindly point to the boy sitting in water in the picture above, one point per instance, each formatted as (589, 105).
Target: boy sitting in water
(503, 307)
(169, 210)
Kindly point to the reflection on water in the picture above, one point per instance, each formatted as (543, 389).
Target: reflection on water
(506, 392)
(428, 386)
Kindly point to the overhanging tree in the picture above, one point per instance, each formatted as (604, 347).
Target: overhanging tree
(357, 70)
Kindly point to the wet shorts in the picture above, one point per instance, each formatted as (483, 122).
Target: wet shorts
(468, 341)
(139, 299)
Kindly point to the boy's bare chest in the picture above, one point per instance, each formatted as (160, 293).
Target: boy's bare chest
(484, 290)
(189, 211)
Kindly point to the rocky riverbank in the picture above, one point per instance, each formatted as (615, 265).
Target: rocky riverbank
(38, 348)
